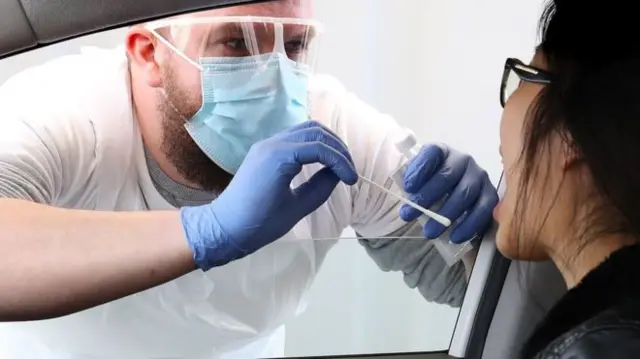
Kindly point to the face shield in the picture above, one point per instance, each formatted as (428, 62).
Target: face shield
(254, 77)
(198, 39)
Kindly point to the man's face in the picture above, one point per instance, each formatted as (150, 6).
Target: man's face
(182, 96)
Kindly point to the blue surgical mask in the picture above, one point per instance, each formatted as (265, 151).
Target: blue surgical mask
(245, 100)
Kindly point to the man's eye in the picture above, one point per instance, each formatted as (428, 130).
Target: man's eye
(235, 44)
(295, 46)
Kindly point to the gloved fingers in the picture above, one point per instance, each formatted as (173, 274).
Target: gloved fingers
(478, 218)
(436, 187)
(310, 125)
(319, 152)
(316, 124)
(319, 134)
(461, 199)
(408, 213)
(298, 127)
(313, 193)
(422, 167)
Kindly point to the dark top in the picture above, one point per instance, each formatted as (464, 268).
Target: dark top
(599, 318)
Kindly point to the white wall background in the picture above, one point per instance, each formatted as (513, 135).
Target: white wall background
(435, 65)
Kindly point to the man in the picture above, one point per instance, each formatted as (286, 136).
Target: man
(98, 150)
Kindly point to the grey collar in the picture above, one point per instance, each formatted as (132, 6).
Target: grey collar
(176, 194)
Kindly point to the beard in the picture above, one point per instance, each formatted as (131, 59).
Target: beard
(178, 146)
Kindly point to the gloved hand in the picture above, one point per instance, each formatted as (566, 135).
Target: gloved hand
(259, 205)
(438, 172)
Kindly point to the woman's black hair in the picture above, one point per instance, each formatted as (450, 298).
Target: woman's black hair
(592, 49)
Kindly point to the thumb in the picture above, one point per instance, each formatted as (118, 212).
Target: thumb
(313, 193)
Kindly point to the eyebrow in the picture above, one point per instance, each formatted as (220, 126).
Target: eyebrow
(228, 28)
(291, 32)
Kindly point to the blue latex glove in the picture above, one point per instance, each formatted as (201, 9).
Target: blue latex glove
(259, 205)
(438, 172)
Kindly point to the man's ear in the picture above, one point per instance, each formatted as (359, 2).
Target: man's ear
(143, 51)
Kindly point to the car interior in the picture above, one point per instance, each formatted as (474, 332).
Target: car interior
(499, 310)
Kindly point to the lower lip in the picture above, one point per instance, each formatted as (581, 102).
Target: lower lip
(496, 211)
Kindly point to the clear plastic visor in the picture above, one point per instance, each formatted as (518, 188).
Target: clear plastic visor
(195, 38)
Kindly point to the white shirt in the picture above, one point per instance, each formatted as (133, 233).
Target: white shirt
(69, 139)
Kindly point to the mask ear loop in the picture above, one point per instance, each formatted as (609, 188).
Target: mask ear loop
(175, 49)
(185, 57)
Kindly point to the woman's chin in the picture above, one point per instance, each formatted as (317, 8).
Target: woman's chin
(506, 245)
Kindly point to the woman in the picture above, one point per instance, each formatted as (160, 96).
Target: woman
(570, 143)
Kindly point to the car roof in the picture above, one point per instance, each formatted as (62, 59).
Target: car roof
(31, 24)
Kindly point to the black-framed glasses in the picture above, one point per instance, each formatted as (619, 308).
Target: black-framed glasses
(515, 71)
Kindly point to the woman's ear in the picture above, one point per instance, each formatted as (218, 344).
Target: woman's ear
(143, 51)
(569, 153)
